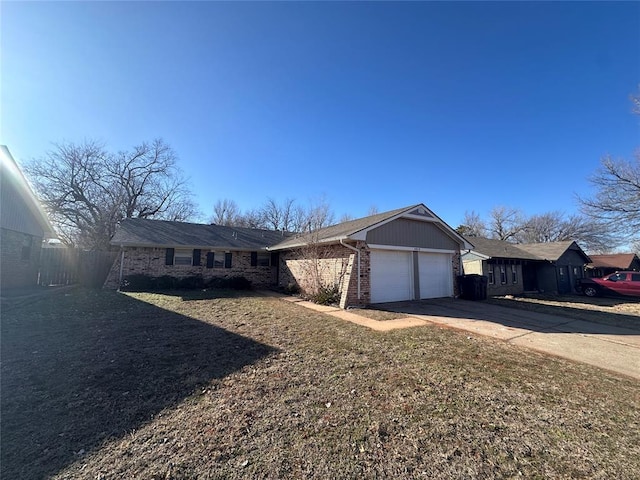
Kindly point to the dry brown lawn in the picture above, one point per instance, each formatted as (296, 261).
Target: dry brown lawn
(104, 385)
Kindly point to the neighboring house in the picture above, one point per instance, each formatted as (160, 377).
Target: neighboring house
(23, 224)
(512, 269)
(602, 265)
(404, 254)
(179, 249)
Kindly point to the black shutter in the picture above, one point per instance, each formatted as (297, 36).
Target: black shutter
(168, 259)
(275, 259)
(227, 260)
(254, 259)
(209, 259)
(196, 257)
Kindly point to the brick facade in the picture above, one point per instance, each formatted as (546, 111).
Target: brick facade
(311, 268)
(151, 262)
(20, 259)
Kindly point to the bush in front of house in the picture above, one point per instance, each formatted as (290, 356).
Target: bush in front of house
(326, 295)
(145, 283)
(235, 283)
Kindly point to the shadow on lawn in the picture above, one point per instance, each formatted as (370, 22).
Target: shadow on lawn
(544, 319)
(83, 368)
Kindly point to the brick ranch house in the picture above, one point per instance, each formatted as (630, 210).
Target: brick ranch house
(24, 226)
(404, 254)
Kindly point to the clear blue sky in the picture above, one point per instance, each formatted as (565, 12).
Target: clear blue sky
(462, 106)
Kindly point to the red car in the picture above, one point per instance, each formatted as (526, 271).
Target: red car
(621, 283)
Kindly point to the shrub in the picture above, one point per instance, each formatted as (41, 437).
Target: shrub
(292, 289)
(190, 283)
(137, 283)
(326, 295)
(236, 283)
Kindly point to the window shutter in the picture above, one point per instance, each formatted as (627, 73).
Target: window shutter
(209, 259)
(275, 259)
(254, 259)
(168, 259)
(227, 260)
(196, 257)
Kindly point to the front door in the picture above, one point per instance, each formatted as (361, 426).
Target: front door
(564, 285)
(529, 278)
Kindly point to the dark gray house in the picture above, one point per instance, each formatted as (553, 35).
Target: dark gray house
(512, 269)
(24, 225)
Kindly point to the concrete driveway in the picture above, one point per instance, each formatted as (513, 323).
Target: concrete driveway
(612, 348)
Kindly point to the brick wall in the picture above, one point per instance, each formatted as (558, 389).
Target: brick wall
(350, 290)
(151, 261)
(314, 267)
(14, 270)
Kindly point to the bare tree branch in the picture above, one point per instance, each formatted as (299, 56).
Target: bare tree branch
(88, 190)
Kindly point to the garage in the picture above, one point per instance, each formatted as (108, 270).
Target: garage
(391, 276)
(435, 274)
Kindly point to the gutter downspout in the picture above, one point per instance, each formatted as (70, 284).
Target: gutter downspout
(121, 267)
(358, 252)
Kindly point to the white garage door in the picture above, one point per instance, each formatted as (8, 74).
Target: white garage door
(436, 277)
(391, 276)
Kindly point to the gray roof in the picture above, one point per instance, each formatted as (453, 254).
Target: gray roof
(499, 249)
(347, 230)
(340, 230)
(550, 251)
(142, 232)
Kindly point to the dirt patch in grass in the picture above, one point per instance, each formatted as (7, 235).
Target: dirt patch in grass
(107, 385)
(617, 311)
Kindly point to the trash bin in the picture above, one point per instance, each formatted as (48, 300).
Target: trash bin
(473, 286)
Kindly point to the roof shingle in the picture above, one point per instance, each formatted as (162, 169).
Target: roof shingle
(142, 232)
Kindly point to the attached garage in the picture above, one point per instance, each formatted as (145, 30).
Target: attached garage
(436, 279)
(397, 275)
(391, 276)
(400, 255)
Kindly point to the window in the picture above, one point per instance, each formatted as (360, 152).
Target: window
(514, 274)
(492, 278)
(635, 277)
(182, 257)
(27, 242)
(260, 259)
(218, 260)
(503, 274)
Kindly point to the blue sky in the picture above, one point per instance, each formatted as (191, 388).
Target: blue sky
(461, 106)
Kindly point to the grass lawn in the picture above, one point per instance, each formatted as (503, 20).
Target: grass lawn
(104, 385)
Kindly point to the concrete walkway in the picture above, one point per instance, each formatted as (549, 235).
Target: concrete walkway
(612, 348)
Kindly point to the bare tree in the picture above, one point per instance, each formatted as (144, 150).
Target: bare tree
(373, 210)
(556, 227)
(616, 202)
(472, 225)
(278, 216)
(226, 212)
(252, 219)
(88, 190)
(505, 223)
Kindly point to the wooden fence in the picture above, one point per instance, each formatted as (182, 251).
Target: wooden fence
(68, 266)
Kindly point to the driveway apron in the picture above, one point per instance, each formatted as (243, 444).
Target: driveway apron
(613, 348)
